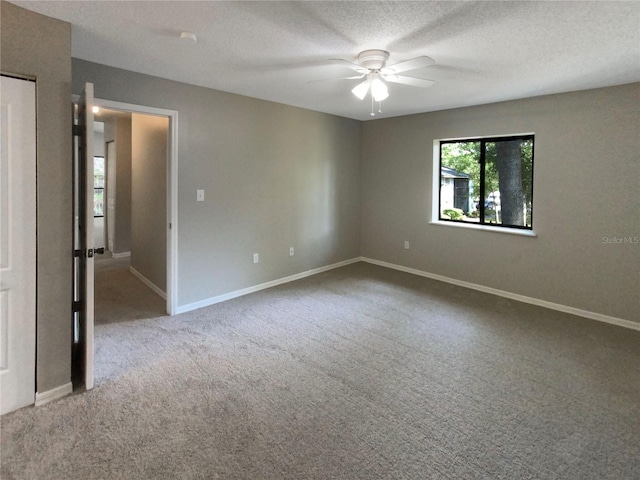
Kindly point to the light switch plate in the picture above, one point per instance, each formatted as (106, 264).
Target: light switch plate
(200, 195)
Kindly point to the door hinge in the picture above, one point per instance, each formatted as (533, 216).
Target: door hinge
(78, 130)
(77, 307)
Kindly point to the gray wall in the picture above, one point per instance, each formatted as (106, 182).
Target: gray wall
(148, 197)
(274, 176)
(586, 187)
(98, 144)
(117, 128)
(40, 47)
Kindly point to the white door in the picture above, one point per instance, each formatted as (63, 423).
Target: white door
(17, 243)
(85, 182)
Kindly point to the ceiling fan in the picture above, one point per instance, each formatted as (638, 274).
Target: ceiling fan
(372, 67)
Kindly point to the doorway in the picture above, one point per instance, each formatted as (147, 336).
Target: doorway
(149, 204)
(132, 178)
(149, 119)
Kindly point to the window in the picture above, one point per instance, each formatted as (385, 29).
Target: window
(98, 186)
(487, 181)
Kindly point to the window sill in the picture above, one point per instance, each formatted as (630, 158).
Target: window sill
(486, 228)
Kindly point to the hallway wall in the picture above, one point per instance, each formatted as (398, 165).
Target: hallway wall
(118, 130)
(149, 197)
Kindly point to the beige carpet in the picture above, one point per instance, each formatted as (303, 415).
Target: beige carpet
(357, 373)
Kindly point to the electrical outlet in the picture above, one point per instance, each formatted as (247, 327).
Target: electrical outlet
(406, 244)
(292, 251)
(256, 258)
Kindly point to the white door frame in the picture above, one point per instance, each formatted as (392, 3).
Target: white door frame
(172, 190)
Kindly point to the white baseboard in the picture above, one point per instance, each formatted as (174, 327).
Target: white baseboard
(53, 394)
(120, 255)
(514, 296)
(148, 282)
(256, 288)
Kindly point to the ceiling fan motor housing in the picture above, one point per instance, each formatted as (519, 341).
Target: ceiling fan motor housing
(373, 59)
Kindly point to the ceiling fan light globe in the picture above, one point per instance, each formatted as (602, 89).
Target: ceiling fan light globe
(381, 96)
(379, 90)
(361, 90)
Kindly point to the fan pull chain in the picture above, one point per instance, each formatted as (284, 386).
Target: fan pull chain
(372, 106)
(380, 106)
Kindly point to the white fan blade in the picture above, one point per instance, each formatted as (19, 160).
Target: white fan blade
(414, 82)
(352, 66)
(340, 78)
(413, 64)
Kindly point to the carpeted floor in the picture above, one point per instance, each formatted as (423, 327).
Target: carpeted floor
(120, 296)
(357, 373)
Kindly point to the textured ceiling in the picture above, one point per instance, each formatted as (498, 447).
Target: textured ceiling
(484, 51)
